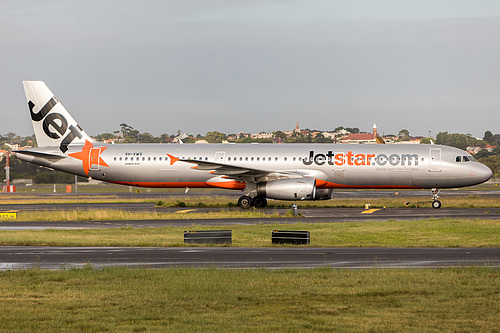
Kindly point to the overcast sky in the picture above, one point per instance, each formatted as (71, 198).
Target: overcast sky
(256, 65)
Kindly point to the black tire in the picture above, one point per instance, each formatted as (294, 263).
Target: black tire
(259, 202)
(245, 202)
(436, 204)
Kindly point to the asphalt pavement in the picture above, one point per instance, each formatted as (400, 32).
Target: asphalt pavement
(23, 257)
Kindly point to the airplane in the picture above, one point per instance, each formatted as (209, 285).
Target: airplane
(293, 172)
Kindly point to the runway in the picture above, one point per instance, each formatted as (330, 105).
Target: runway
(19, 257)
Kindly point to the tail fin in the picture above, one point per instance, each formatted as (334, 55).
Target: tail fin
(53, 125)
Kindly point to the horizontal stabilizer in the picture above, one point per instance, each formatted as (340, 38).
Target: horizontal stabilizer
(39, 154)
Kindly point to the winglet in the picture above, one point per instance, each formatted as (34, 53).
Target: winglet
(379, 139)
(173, 159)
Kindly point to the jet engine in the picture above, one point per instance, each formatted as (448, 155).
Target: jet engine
(293, 189)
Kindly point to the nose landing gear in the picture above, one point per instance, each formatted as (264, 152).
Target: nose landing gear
(435, 196)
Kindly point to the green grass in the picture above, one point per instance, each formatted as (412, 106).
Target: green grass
(422, 233)
(211, 300)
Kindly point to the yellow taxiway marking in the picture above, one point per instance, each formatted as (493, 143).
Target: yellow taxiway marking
(10, 213)
(369, 211)
(185, 211)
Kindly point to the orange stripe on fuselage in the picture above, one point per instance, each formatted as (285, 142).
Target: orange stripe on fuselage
(325, 184)
(231, 185)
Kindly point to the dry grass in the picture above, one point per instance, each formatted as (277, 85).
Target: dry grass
(392, 200)
(211, 300)
(122, 215)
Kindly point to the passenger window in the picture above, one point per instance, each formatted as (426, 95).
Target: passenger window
(275, 158)
(159, 158)
(285, 159)
(115, 158)
(246, 158)
(258, 158)
(229, 158)
(154, 158)
(149, 158)
(241, 158)
(459, 158)
(126, 158)
(252, 158)
(120, 158)
(137, 158)
(294, 159)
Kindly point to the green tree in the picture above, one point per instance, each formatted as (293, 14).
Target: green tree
(454, 140)
(487, 136)
(244, 139)
(404, 133)
(215, 137)
(353, 130)
(492, 162)
(147, 138)
(320, 138)
(426, 141)
(105, 136)
(125, 129)
(279, 134)
(495, 139)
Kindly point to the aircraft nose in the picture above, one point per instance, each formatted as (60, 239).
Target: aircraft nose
(484, 173)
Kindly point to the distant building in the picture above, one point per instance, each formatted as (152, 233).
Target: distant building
(414, 140)
(474, 149)
(12, 146)
(362, 137)
(261, 135)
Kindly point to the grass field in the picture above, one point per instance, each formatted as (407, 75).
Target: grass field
(422, 233)
(122, 215)
(211, 300)
(391, 200)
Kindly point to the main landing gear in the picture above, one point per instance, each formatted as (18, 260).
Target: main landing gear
(246, 202)
(435, 196)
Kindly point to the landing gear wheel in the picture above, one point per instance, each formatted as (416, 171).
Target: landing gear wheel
(245, 202)
(436, 204)
(259, 202)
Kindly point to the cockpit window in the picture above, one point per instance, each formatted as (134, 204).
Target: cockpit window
(472, 158)
(466, 159)
(459, 159)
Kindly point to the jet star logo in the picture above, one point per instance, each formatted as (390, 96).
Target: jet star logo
(90, 156)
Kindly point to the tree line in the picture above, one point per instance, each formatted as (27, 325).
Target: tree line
(488, 155)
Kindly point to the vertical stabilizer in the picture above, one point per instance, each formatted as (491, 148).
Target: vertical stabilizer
(53, 124)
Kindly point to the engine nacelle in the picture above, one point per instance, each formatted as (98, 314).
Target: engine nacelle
(323, 194)
(288, 189)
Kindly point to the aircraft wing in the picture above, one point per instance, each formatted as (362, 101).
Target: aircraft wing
(250, 174)
(229, 171)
